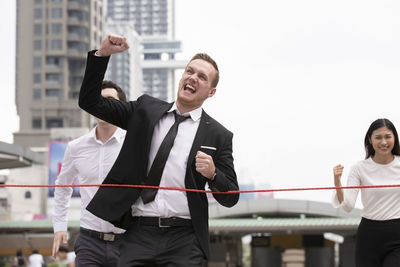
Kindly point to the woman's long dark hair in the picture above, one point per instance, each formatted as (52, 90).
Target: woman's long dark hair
(379, 123)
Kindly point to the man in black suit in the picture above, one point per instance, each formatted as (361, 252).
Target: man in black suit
(166, 144)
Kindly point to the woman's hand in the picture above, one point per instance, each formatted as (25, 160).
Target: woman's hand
(337, 174)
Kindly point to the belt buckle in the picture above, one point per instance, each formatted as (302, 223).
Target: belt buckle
(160, 225)
(108, 237)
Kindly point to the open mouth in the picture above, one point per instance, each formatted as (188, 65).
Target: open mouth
(189, 88)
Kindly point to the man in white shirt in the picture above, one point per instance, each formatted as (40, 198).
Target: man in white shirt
(36, 259)
(89, 158)
(167, 144)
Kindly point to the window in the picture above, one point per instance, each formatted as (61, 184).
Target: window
(76, 65)
(37, 94)
(79, 30)
(38, 1)
(149, 56)
(56, 28)
(37, 62)
(78, 46)
(56, 13)
(36, 123)
(75, 82)
(37, 13)
(74, 95)
(54, 93)
(53, 77)
(81, 2)
(37, 45)
(37, 29)
(78, 15)
(53, 61)
(54, 123)
(56, 44)
(37, 78)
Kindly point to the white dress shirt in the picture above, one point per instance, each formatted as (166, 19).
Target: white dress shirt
(89, 160)
(171, 203)
(379, 203)
(35, 260)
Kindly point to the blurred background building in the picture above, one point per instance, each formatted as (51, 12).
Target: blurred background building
(154, 21)
(126, 68)
(53, 38)
(52, 41)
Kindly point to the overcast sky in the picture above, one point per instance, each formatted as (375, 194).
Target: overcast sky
(301, 81)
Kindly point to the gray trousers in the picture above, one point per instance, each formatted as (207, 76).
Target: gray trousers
(93, 252)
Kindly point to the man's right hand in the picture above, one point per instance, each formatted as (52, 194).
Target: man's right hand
(112, 44)
(60, 238)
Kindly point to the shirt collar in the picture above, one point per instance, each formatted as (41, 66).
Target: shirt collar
(118, 135)
(194, 114)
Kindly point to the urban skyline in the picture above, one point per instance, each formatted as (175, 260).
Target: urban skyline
(306, 72)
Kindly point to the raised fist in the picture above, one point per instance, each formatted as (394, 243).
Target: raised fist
(112, 44)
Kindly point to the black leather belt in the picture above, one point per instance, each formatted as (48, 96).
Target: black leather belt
(109, 237)
(163, 222)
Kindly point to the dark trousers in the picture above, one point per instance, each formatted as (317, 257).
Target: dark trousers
(91, 252)
(144, 245)
(378, 243)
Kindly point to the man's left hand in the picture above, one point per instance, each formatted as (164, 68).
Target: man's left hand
(205, 165)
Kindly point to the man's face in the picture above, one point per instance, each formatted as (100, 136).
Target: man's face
(195, 85)
(108, 93)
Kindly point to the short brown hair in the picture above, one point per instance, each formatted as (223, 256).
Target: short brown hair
(109, 84)
(205, 57)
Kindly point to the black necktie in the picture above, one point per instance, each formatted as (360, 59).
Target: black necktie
(157, 168)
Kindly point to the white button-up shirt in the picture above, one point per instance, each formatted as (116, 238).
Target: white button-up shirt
(171, 203)
(89, 160)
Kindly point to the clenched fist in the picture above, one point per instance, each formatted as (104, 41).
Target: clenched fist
(112, 44)
(337, 174)
(205, 165)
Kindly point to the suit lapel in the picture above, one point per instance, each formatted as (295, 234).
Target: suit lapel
(204, 125)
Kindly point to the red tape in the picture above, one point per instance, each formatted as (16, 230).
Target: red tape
(206, 191)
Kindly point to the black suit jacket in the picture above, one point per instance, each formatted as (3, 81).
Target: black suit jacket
(139, 119)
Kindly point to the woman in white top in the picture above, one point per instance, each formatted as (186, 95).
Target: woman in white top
(378, 235)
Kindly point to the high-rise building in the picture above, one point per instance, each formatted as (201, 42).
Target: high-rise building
(150, 17)
(53, 37)
(125, 68)
(154, 22)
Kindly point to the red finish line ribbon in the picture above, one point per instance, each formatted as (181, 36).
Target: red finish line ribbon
(207, 191)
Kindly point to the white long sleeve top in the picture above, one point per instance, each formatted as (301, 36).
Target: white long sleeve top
(378, 203)
(89, 160)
